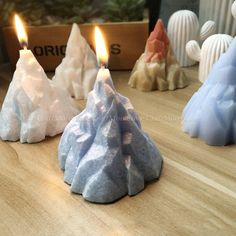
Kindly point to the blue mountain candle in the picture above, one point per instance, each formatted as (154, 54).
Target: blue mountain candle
(211, 112)
(104, 151)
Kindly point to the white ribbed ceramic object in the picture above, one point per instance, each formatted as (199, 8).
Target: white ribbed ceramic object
(183, 26)
(211, 50)
(220, 12)
(233, 9)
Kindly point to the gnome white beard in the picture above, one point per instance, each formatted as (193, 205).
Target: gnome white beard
(34, 106)
(78, 70)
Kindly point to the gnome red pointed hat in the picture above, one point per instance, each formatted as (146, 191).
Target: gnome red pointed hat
(157, 68)
(157, 44)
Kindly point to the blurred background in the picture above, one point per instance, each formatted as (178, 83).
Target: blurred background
(54, 12)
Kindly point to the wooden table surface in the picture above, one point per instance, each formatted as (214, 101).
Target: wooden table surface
(196, 194)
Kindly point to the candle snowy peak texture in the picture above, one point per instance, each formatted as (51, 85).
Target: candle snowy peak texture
(157, 68)
(210, 114)
(104, 151)
(34, 107)
(78, 69)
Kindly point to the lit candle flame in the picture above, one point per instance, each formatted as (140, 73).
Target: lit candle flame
(21, 33)
(101, 50)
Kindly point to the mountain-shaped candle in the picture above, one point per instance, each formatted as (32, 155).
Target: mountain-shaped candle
(34, 106)
(157, 68)
(104, 151)
(78, 69)
(211, 112)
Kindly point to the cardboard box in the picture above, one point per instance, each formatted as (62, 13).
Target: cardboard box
(126, 42)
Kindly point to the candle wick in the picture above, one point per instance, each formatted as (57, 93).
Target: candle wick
(24, 45)
(103, 65)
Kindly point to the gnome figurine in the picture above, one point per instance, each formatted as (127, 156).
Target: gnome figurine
(77, 71)
(157, 68)
(210, 113)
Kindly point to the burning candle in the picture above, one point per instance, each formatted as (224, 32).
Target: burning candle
(78, 69)
(104, 151)
(34, 107)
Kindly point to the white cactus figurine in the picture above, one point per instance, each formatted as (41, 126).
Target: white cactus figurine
(183, 26)
(233, 9)
(211, 50)
(220, 12)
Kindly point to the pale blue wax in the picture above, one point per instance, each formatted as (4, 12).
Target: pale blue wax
(211, 112)
(104, 151)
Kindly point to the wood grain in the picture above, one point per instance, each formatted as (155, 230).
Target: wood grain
(196, 194)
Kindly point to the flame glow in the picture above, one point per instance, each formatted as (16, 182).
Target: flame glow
(101, 50)
(21, 33)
